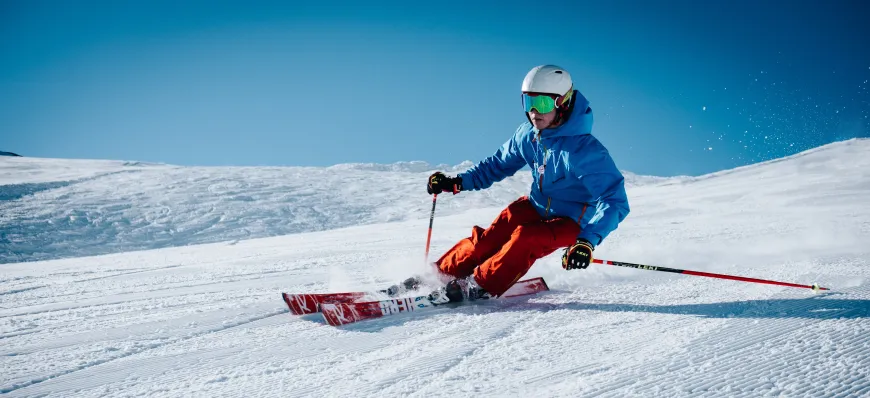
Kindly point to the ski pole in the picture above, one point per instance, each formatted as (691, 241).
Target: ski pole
(814, 286)
(431, 219)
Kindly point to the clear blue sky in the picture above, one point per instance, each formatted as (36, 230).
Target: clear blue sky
(320, 83)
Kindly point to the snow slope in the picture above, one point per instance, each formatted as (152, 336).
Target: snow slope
(84, 207)
(76, 208)
(206, 320)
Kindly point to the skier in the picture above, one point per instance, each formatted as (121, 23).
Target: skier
(577, 196)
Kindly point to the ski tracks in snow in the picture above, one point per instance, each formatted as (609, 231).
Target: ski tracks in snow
(747, 357)
(399, 355)
(61, 379)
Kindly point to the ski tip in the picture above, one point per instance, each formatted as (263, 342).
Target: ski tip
(301, 304)
(287, 301)
(538, 284)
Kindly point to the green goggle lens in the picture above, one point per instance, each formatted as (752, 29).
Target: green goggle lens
(540, 103)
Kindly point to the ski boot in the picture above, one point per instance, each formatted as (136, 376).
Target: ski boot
(410, 284)
(458, 290)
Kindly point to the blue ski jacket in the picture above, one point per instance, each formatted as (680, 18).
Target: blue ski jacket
(574, 175)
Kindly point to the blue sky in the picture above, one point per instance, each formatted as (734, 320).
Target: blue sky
(677, 87)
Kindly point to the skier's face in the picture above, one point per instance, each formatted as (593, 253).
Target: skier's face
(542, 120)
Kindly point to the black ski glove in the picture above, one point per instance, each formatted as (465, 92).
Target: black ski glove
(439, 182)
(578, 255)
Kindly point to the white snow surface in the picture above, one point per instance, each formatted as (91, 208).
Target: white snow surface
(53, 208)
(207, 319)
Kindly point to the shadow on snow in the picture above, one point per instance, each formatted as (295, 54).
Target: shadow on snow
(819, 307)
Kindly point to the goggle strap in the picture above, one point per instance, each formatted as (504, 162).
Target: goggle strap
(565, 98)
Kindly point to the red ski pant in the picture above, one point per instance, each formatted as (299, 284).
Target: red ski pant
(500, 255)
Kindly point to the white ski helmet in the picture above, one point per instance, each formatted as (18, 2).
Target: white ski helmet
(548, 79)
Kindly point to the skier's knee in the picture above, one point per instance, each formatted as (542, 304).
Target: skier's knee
(524, 232)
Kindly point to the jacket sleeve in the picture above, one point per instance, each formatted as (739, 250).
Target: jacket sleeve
(611, 207)
(504, 163)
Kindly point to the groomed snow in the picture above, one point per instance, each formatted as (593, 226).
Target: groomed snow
(207, 320)
(56, 208)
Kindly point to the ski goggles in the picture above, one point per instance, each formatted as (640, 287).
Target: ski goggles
(543, 103)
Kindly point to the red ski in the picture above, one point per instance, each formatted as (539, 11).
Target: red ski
(309, 303)
(301, 304)
(337, 314)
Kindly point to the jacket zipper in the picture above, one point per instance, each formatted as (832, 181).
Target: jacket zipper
(541, 175)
